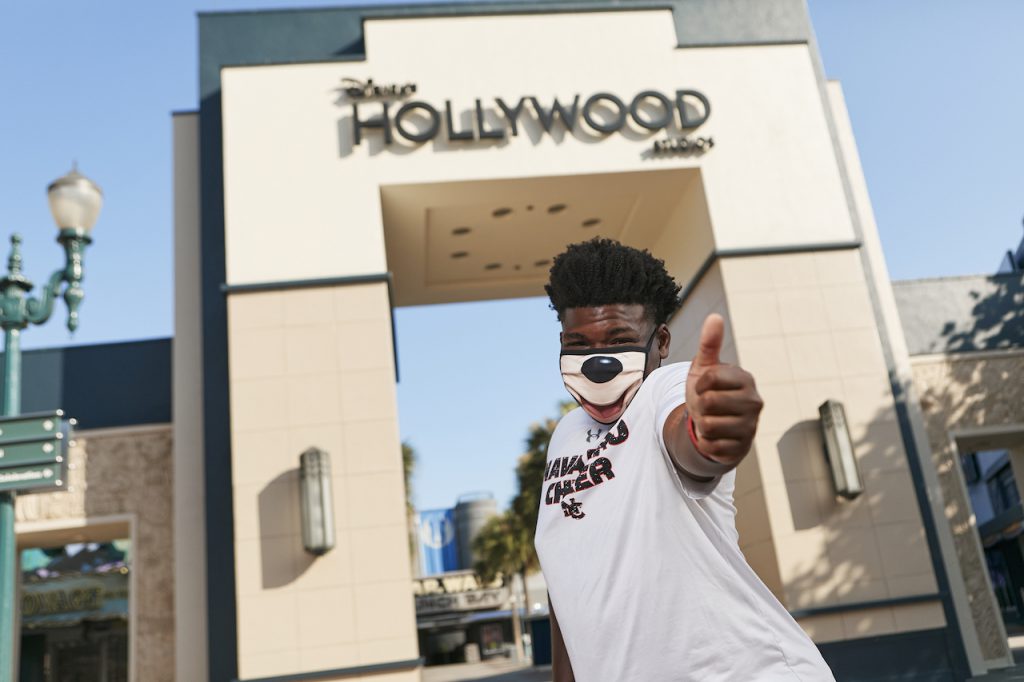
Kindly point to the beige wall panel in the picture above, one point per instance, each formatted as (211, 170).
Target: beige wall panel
(821, 629)
(751, 519)
(868, 623)
(187, 399)
(761, 557)
(707, 297)
(803, 326)
(299, 379)
(919, 616)
(121, 473)
(874, 266)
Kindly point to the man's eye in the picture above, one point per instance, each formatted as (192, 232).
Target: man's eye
(623, 342)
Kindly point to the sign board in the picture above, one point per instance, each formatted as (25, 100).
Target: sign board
(39, 426)
(33, 478)
(56, 602)
(438, 548)
(462, 601)
(33, 452)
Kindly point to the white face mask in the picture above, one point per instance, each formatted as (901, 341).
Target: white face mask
(604, 380)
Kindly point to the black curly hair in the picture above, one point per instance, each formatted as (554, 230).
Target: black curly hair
(605, 272)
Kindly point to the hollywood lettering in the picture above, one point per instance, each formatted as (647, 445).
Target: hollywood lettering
(604, 113)
(581, 472)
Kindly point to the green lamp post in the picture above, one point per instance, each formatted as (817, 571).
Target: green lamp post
(75, 202)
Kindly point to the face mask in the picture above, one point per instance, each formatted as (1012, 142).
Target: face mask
(604, 380)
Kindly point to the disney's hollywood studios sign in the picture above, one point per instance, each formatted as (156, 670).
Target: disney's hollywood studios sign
(379, 109)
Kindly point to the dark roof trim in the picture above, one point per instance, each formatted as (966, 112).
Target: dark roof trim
(102, 386)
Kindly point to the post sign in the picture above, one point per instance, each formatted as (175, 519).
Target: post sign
(33, 452)
(31, 426)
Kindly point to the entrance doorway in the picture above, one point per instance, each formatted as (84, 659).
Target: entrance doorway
(470, 260)
(993, 468)
(74, 612)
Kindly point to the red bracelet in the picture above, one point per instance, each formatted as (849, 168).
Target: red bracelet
(692, 430)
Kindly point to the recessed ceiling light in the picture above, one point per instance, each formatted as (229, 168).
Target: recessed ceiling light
(556, 208)
(541, 263)
(590, 222)
(460, 254)
(492, 266)
(500, 212)
(462, 230)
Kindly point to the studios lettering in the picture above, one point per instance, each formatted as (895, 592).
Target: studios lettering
(396, 118)
(570, 475)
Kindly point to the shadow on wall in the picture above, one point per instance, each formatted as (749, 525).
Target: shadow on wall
(960, 314)
(874, 549)
(875, 545)
(280, 528)
(997, 318)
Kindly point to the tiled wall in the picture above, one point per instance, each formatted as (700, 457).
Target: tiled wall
(124, 472)
(803, 325)
(315, 367)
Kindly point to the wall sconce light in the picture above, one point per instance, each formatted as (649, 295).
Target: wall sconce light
(317, 500)
(839, 450)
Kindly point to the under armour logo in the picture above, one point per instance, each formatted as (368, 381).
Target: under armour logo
(572, 508)
(593, 436)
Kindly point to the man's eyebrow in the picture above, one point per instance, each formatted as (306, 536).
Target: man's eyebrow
(621, 330)
(575, 335)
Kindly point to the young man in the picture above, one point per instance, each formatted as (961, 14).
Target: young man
(636, 533)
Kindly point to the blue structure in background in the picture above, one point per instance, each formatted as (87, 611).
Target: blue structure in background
(437, 538)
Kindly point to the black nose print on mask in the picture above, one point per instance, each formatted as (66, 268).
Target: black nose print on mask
(601, 369)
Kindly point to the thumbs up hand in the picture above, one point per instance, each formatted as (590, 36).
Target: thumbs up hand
(721, 400)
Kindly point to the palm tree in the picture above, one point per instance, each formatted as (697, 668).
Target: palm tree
(504, 546)
(408, 466)
(530, 479)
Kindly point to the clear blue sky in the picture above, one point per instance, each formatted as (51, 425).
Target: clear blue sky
(935, 92)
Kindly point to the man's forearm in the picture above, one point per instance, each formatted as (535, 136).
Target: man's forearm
(683, 453)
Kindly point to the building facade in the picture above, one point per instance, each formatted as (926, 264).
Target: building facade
(965, 336)
(343, 162)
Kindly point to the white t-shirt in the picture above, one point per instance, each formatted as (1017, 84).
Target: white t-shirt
(643, 567)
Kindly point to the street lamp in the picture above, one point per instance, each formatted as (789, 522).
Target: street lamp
(75, 202)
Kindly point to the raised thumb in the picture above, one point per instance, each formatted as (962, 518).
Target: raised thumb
(711, 335)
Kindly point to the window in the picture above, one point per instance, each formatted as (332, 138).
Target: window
(1002, 490)
(969, 463)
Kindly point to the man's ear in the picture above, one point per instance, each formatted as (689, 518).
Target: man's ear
(664, 339)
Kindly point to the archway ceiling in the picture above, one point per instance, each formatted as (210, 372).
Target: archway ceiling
(474, 240)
